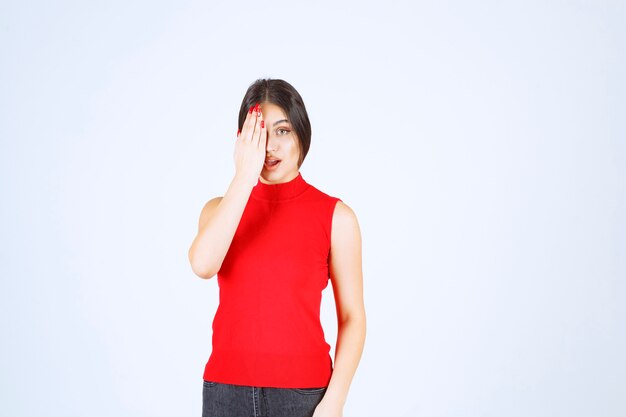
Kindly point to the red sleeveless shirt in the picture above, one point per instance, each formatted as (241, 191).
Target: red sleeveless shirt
(267, 330)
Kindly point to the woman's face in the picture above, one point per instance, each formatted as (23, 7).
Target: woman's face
(282, 151)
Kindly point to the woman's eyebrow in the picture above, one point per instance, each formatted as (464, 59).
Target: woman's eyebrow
(280, 121)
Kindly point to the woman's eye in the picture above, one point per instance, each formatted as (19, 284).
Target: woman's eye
(282, 131)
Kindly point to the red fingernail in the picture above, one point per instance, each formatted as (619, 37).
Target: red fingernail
(257, 107)
(238, 132)
(251, 109)
(262, 124)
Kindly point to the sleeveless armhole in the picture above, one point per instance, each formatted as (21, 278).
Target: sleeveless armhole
(333, 206)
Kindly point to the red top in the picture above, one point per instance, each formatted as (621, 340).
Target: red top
(267, 330)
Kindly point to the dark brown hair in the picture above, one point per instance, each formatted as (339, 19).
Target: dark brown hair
(282, 94)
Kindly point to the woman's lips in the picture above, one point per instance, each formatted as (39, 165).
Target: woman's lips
(271, 164)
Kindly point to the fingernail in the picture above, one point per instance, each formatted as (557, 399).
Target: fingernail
(251, 109)
(238, 132)
(262, 124)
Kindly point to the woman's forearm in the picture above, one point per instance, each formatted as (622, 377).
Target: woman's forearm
(209, 248)
(348, 350)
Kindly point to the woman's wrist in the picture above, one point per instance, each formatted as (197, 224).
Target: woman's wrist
(334, 398)
(243, 180)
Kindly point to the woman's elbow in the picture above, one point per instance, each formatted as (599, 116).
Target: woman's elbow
(203, 274)
(356, 317)
(203, 269)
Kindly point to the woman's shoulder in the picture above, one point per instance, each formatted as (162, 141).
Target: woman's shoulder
(345, 231)
(343, 213)
(208, 209)
(211, 204)
(313, 190)
(340, 208)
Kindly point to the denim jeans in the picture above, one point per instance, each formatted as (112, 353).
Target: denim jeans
(226, 400)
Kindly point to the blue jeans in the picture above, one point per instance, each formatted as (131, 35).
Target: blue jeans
(226, 400)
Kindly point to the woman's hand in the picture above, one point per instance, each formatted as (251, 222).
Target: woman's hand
(250, 147)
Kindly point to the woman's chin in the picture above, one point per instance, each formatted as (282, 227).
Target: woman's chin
(273, 177)
(268, 176)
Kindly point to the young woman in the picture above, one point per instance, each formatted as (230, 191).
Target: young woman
(274, 242)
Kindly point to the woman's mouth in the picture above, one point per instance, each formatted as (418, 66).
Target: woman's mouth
(271, 163)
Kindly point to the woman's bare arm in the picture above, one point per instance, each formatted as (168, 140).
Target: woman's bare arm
(347, 280)
(217, 225)
(220, 216)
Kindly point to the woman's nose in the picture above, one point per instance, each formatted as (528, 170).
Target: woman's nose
(272, 145)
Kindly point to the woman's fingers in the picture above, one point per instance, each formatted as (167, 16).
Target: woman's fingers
(259, 127)
(248, 125)
(253, 130)
(254, 122)
(256, 134)
(263, 138)
(250, 146)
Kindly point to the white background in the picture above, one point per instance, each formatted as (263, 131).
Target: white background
(481, 144)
